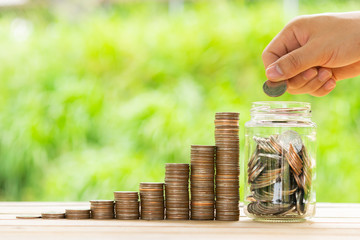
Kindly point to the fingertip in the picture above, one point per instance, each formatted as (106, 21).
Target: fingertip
(310, 74)
(330, 85)
(320, 93)
(325, 89)
(324, 74)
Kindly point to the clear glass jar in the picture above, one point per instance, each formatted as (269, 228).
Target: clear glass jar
(280, 146)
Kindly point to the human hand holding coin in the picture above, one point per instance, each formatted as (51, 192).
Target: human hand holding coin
(313, 52)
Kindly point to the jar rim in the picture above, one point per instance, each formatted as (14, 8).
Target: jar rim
(281, 109)
(282, 102)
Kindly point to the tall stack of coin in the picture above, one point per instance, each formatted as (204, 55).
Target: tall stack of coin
(152, 201)
(126, 205)
(177, 191)
(202, 182)
(227, 166)
(102, 209)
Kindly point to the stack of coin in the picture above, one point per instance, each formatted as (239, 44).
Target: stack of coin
(177, 191)
(102, 209)
(202, 182)
(53, 215)
(152, 201)
(77, 213)
(227, 166)
(126, 205)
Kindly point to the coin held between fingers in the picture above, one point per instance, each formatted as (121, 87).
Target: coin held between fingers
(275, 89)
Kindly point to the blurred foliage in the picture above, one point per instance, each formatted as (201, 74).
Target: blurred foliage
(99, 101)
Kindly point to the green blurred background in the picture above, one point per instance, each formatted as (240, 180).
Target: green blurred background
(96, 96)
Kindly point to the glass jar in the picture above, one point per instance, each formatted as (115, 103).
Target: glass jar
(280, 146)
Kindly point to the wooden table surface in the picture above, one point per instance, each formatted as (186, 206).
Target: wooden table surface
(332, 221)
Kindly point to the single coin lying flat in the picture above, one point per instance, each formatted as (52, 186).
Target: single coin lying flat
(28, 217)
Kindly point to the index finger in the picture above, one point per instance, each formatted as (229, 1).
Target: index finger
(283, 43)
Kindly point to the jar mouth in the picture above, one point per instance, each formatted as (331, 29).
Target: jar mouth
(281, 109)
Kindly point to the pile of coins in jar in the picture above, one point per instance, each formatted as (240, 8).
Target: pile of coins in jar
(279, 175)
(214, 186)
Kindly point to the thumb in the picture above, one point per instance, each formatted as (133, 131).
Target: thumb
(293, 63)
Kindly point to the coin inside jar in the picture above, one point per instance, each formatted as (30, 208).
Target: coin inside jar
(279, 174)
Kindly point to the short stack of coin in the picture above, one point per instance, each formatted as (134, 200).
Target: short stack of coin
(126, 205)
(152, 201)
(202, 182)
(102, 209)
(53, 215)
(177, 191)
(77, 213)
(227, 166)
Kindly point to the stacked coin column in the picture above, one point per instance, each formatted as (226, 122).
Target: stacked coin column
(227, 166)
(77, 213)
(177, 191)
(126, 205)
(202, 182)
(102, 209)
(53, 215)
(152, 201)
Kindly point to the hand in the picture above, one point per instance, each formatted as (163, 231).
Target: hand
(313, 52)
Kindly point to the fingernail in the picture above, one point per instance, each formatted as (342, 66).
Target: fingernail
(324, 75)
(310, 74)
(274, 72)
(329, 85)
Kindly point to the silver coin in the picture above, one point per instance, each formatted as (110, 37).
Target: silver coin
(256, 171)
(275, 89)
(290, 137)
(269, 155)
